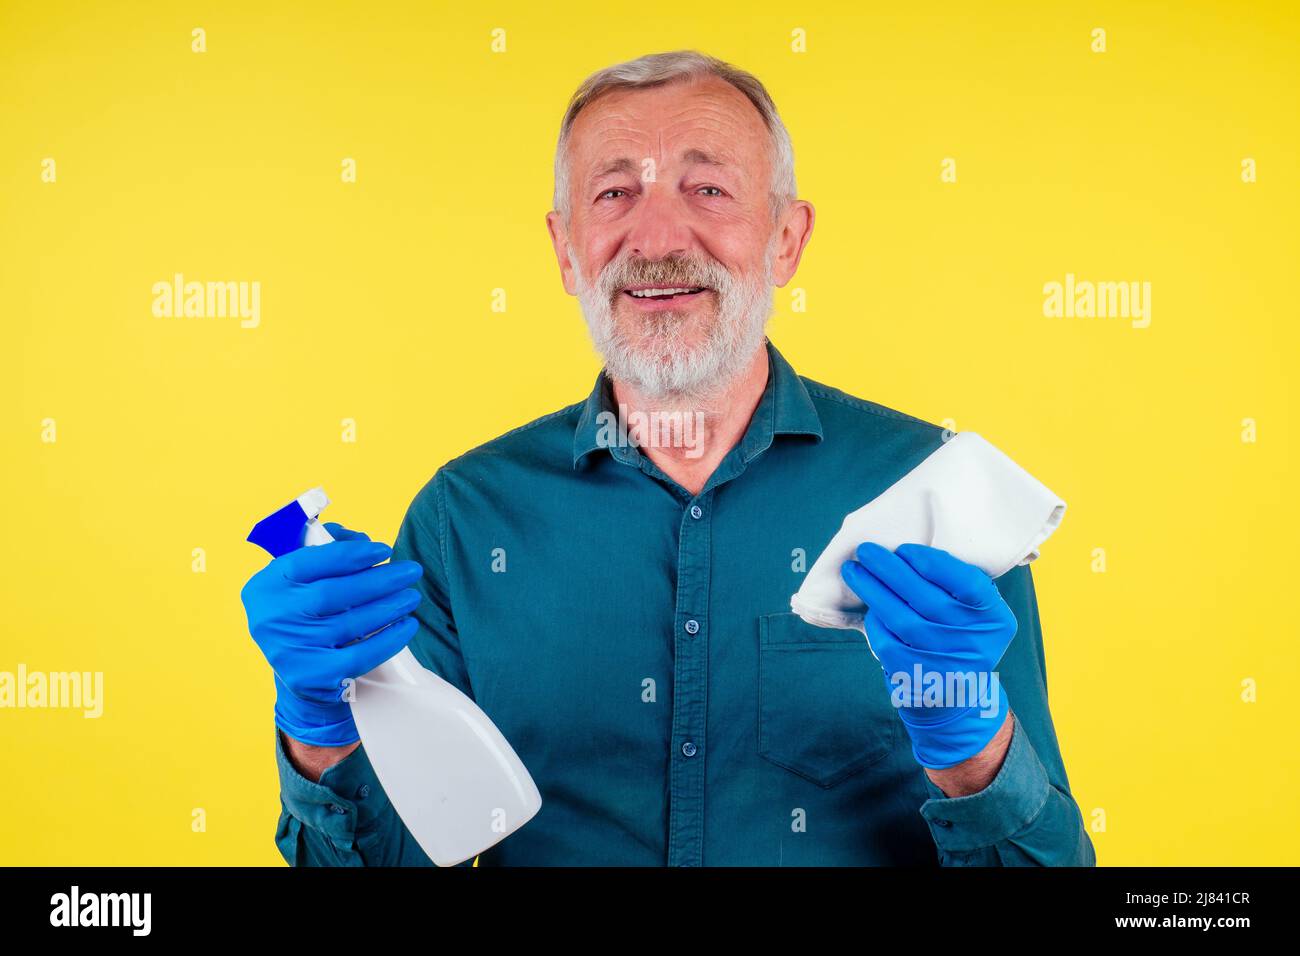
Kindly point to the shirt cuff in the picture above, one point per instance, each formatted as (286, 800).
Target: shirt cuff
(1014, 797)
(347, 800)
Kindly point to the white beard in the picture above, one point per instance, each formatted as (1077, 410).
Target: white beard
(650, 353)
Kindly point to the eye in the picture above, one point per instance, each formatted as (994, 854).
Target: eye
(716, 190)
(607, 192)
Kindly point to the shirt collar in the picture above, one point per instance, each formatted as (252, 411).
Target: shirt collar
(785, 408)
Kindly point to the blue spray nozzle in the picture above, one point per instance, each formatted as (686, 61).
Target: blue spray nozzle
(283, 531)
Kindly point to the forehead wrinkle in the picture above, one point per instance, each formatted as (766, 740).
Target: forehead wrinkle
(710, 154)
(733, 116)
(691, 156)
(737, 117)
(629, 139)
(729, 119)
(726, 134)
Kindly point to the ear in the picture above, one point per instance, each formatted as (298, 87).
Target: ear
(560, 242)
(796, 228)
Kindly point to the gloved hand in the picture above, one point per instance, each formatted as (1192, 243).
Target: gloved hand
(929, 610)
(306, 611)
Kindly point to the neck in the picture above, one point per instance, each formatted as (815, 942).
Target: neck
(711, 424)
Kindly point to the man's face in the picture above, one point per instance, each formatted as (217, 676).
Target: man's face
(671, 245)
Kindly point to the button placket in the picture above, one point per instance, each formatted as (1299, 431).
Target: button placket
(690, 661)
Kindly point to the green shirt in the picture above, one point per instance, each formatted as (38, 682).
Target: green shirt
(635, 644)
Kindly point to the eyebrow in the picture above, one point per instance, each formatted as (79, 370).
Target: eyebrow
(699, 156)
(624, 164)
(620, 165)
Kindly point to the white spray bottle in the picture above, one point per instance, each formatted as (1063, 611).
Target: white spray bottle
(448, 771)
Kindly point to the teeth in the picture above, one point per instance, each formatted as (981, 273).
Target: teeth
(647, 293)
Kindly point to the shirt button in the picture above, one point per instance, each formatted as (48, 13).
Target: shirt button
(692, 626)
(697, 512)
(364, 791)
(943, 823)
(335, 808)
(688, 749)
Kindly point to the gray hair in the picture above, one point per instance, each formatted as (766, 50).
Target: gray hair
(660, 69)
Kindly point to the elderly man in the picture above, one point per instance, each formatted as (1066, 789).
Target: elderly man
(615, 594)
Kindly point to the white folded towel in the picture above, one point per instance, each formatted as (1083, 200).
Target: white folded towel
(967, 498)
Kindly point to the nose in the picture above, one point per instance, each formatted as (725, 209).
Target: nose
(660, 225)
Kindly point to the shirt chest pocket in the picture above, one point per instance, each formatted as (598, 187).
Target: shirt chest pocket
(823, 705)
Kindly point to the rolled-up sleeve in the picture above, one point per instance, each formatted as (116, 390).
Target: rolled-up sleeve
(347, 819)
(344, 820)
(1026, 816)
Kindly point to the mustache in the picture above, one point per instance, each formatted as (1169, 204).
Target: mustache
(672, 271)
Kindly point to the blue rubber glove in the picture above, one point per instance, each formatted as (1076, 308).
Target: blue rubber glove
(307, 610)
(927, 610)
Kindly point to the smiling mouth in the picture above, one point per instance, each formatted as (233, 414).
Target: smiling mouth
(664, 293)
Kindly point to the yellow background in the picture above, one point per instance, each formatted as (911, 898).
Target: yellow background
(174, 434)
